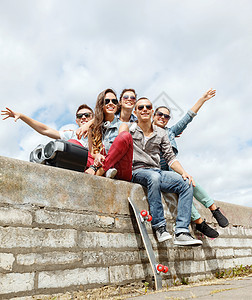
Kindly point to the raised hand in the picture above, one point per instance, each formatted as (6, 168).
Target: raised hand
(10, 114)
(208, 95)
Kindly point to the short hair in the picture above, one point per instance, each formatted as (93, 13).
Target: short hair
(127, 90)
(162, 106)
(84, 106)
(142, 98)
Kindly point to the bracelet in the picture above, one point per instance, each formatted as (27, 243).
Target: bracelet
(94, 168)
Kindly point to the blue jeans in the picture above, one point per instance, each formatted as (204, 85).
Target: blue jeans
(157, 181)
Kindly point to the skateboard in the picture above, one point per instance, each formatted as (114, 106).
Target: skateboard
(141, 218)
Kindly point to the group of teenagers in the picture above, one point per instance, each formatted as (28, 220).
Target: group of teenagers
(130, 141)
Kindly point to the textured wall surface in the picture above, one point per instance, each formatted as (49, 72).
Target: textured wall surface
(62, 231)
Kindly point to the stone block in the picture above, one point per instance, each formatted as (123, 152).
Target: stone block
(186, 254)
(16, 282)
(15, 237)
(13, 216)
(107, 240)
(78, 220)
(243, 261)
(224, 253)
(199, 254)
(127, 272)
(230, 242)
(125, 223)
(110, 257)
(242, 252)
(6, 261)
(74, 277)
(173, 253)
(211, 265)
(227, 263)
(48, 258)
(189, 267)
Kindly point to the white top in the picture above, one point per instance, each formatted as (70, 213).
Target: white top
(71, 134)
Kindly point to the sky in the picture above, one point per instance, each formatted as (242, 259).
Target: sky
(58, 54)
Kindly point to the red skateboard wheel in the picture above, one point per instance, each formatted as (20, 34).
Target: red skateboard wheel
(144, 213)
(160, 268)
(165, 269)
(149, 218)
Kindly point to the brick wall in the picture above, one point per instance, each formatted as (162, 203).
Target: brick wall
(64, 231)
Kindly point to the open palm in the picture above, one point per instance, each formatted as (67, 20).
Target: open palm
(8, 113)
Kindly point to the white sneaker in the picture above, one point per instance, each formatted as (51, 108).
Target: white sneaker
(185, 239)
(111, 173)
(162, 234)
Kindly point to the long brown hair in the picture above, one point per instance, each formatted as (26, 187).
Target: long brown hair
(98, 121)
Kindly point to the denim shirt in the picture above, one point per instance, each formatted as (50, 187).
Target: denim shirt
(178, 128)
(133, 118)
(173, 132)
(110, 133)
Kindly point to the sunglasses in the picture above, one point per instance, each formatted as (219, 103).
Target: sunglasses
(107, 101)
(160, 114)
(86, 115)
(140, 107)
(127, 97)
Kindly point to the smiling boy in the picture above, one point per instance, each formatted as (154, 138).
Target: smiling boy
(148, 141)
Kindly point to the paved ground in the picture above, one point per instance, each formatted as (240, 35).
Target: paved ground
(236, 288)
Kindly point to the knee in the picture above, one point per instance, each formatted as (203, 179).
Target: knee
(154, 179)
(187, 187)
(126, 137)
(75, 142)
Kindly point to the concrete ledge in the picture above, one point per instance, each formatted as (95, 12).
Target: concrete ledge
(62, 230)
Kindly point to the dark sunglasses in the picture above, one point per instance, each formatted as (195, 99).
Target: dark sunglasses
(160, 114)
(107, 101)
(86, 115)
(127, 97)
(140, 107)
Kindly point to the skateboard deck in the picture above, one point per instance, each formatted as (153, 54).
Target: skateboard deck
(156, 268)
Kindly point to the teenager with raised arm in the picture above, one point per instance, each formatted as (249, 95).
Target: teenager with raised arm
(148, 141)
(83, 114)
(161, 118)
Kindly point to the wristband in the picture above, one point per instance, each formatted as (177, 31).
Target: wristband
(94, 168)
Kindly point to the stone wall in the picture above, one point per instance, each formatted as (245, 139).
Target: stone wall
(63, 231)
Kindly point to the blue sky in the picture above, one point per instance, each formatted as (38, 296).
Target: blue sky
(58, 54)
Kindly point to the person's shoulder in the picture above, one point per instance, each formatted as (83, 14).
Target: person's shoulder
(159, 130)
(133, 118)
(133, 127)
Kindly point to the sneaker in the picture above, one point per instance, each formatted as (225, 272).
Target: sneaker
(111, 173)
(162, 234)
(207, 230)
(220, 218)
(185, 239)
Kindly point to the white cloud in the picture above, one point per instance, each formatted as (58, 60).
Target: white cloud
(56, 55)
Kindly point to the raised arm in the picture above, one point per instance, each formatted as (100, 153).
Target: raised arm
(181, 125)
(36, 125)
(208, 95)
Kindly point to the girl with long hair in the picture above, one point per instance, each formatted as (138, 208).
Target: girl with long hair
(110, 142)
